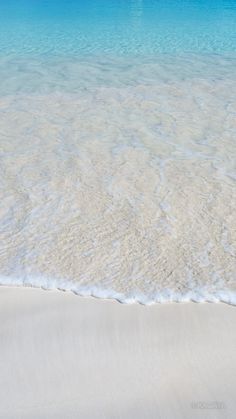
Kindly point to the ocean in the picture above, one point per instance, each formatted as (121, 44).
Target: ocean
(118, 148)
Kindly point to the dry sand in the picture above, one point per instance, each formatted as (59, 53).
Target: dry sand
(63, 356)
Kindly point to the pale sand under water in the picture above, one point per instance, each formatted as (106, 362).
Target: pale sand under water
(121, 191)
(62, 356)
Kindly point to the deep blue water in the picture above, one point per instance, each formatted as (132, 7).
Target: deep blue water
(67, 27)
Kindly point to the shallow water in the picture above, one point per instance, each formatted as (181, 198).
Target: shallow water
(122, 27)
(118, 161)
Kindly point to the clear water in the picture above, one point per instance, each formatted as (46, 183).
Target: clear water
(117, 27)
(117, 148)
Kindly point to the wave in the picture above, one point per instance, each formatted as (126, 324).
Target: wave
(164, 296)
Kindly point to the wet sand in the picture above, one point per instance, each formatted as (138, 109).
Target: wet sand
(62, 356)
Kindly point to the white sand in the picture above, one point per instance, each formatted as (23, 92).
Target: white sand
(62, 356)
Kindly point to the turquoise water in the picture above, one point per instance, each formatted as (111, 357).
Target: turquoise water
(117, 148)
(117, 27)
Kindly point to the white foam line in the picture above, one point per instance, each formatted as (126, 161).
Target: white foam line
(166, 296)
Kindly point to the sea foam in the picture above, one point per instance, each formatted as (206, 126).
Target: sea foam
(164, 296)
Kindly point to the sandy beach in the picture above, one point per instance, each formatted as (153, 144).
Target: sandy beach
(117, 209)
(63, 356)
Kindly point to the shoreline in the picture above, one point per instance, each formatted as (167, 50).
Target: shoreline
(165, 297)
(63, 355)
